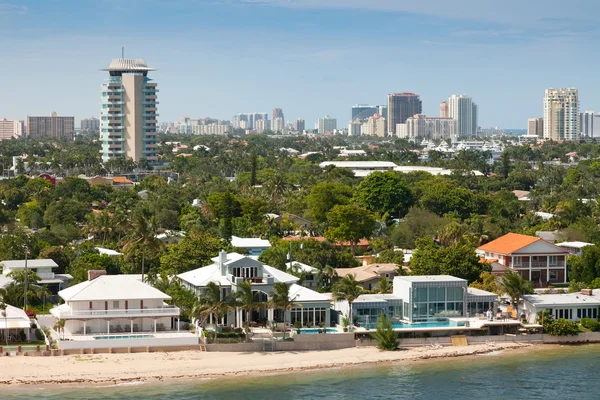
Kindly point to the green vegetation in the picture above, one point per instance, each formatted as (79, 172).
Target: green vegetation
(387, 338)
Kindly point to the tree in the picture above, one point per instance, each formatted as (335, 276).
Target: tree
(100, 224)
(247, 300)
(417, 223)
(347, 289)
(384, 285)
(459, 260)
(488, 282)
(585, 268)
(3, 307)
(211, 304)
(385, 193)
(324, 196)
(194, 251)
(387, 338)
(443, 197)
(60, 327)
(143, 236)
(349, 223)
(43, 293)
(16, 289)
(325, 276)
(66, 212)
(281, 299)
(515, 287)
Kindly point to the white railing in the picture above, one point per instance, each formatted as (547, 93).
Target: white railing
(162, 311)
(46, 275)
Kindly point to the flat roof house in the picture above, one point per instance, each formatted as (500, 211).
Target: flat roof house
(576, 248)
(571, 306)
(254, 246)
(43, 268)
(536, 260)
(230, 270)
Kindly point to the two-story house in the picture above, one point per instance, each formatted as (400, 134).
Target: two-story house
(254, 246)
(43, 269)
(536, 260)
(230, 270)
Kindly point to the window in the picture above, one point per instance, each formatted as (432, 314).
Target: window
(552, 260)
(553, 276)
(420, 295)
(115, 304)
(579, 313)
(517, 261)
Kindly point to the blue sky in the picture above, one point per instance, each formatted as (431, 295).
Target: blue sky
(309, 57)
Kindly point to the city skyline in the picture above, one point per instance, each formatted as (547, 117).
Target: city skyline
(312, 41)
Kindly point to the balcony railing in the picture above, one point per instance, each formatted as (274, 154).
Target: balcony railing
(45, 275)
(117, 313)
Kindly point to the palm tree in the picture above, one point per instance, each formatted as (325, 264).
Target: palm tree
(3, 307)
(247, 299)
(162, 282)
(515, 286)
(325, 275)
(210, 303)
(60, 326)
(143, 236)
(384, 285)
(347, 289)
(281, 299)
(43, 293)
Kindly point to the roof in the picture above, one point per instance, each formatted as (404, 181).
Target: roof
(15, 319)
(20, 264)
(108, 252)
(548, 236)
(563, 299)
(362, 242)
(112, 287)
(246, 243)
(479, 292)
(359, 164)
(430, 278)
(300, 293)
(367, 272)
(124, 64)
(543, 215)
(375, 298)
(576, 245)
(509, 243)
(121, 179)
(303, 267)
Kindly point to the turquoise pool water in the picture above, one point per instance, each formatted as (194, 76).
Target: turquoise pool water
(312, 331)
(421, 325)
(123, 337)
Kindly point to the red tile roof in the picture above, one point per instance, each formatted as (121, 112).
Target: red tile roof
(509, 243)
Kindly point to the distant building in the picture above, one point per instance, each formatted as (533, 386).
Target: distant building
(464, 111)
(377, 125)
(278, 124)
(354, 128)
(361, 112)
(11, 129)
(535, 127)
(444, 110)
(589, 124)
(300, 125)
(327, 124)
(212, 129)
(401, 131)
(424, 127)
(402, 106)
(52, 126)
(262, 125)
(561, 114)
(277, 113)
(128, 113)
(90, 124)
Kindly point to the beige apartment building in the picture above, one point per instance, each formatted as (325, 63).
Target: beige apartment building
(535, 126)
(561, 114)
(11, 129)
(376, 125)
(423, 127)
(50, 127)
(128, 113)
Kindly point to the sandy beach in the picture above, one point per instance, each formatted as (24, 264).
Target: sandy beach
(120, 368)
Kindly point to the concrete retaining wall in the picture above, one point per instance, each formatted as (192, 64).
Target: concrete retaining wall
(125, 343)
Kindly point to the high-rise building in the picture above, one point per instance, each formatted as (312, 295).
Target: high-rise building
(52, 126)
(327, 124)
(401, 106)
(247, 120)
(262, 125)
(561, 114)
(464, 110)
(354, 128)
(90, 124)
(300, 125)
(278, 125)
(535, 127)
(402, 131)
(11, 129)
(212, 129)
(444, 111)
(376, 125)
(128, 113)
(424, 127)
(589, 124)
(277, 113)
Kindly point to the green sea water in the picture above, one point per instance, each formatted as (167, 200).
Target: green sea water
(566, 372)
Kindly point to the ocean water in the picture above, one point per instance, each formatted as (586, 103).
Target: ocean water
(566, 372)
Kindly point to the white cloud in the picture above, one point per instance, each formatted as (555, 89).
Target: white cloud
(12, 9)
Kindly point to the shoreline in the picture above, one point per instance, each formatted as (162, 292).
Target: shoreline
(109, 370)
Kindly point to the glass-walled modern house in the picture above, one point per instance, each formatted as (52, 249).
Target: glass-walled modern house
(426, 298)
(367, 308)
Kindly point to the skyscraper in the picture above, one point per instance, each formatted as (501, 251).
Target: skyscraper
(90, 124)
(561, 114)
(300, 125)
(535, 126)
(376, 125)
(11, 129)
(401, 106)
(327, 124)
(277, 113)
(589, 124)
(464, 110)
(278, 124)
(128, 113)
(52, 126)
(424, 127)
(354, 128)
(444, 111)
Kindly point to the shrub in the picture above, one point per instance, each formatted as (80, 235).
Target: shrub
(561, 327)
(387, 338)
(590, 324)
(39, 335)
(230, 335)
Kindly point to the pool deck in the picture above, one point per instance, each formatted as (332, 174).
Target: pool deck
(475, 324)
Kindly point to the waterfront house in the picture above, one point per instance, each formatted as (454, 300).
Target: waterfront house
(115, 304)
(14, 325)
(571, 306)
(43, 269)
(254, 246)
(533, 258)
(368, 276)
(230, 270)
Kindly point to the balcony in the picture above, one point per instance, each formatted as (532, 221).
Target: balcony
(45, 275)
(65, 312)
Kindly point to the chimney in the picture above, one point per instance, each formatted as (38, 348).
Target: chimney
(222, 261)
(586, 292)
(94, 273)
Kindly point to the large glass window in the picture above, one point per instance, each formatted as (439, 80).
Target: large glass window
(420, 295)
(455, 294)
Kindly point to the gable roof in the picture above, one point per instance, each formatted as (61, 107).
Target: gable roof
(20, 264)
(367, 272)
(112, 287)
(509, 243)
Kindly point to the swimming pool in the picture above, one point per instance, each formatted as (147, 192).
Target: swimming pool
(423, 325)
(312, 331)
(123, 337)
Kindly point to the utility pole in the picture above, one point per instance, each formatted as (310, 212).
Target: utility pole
(26, 281)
